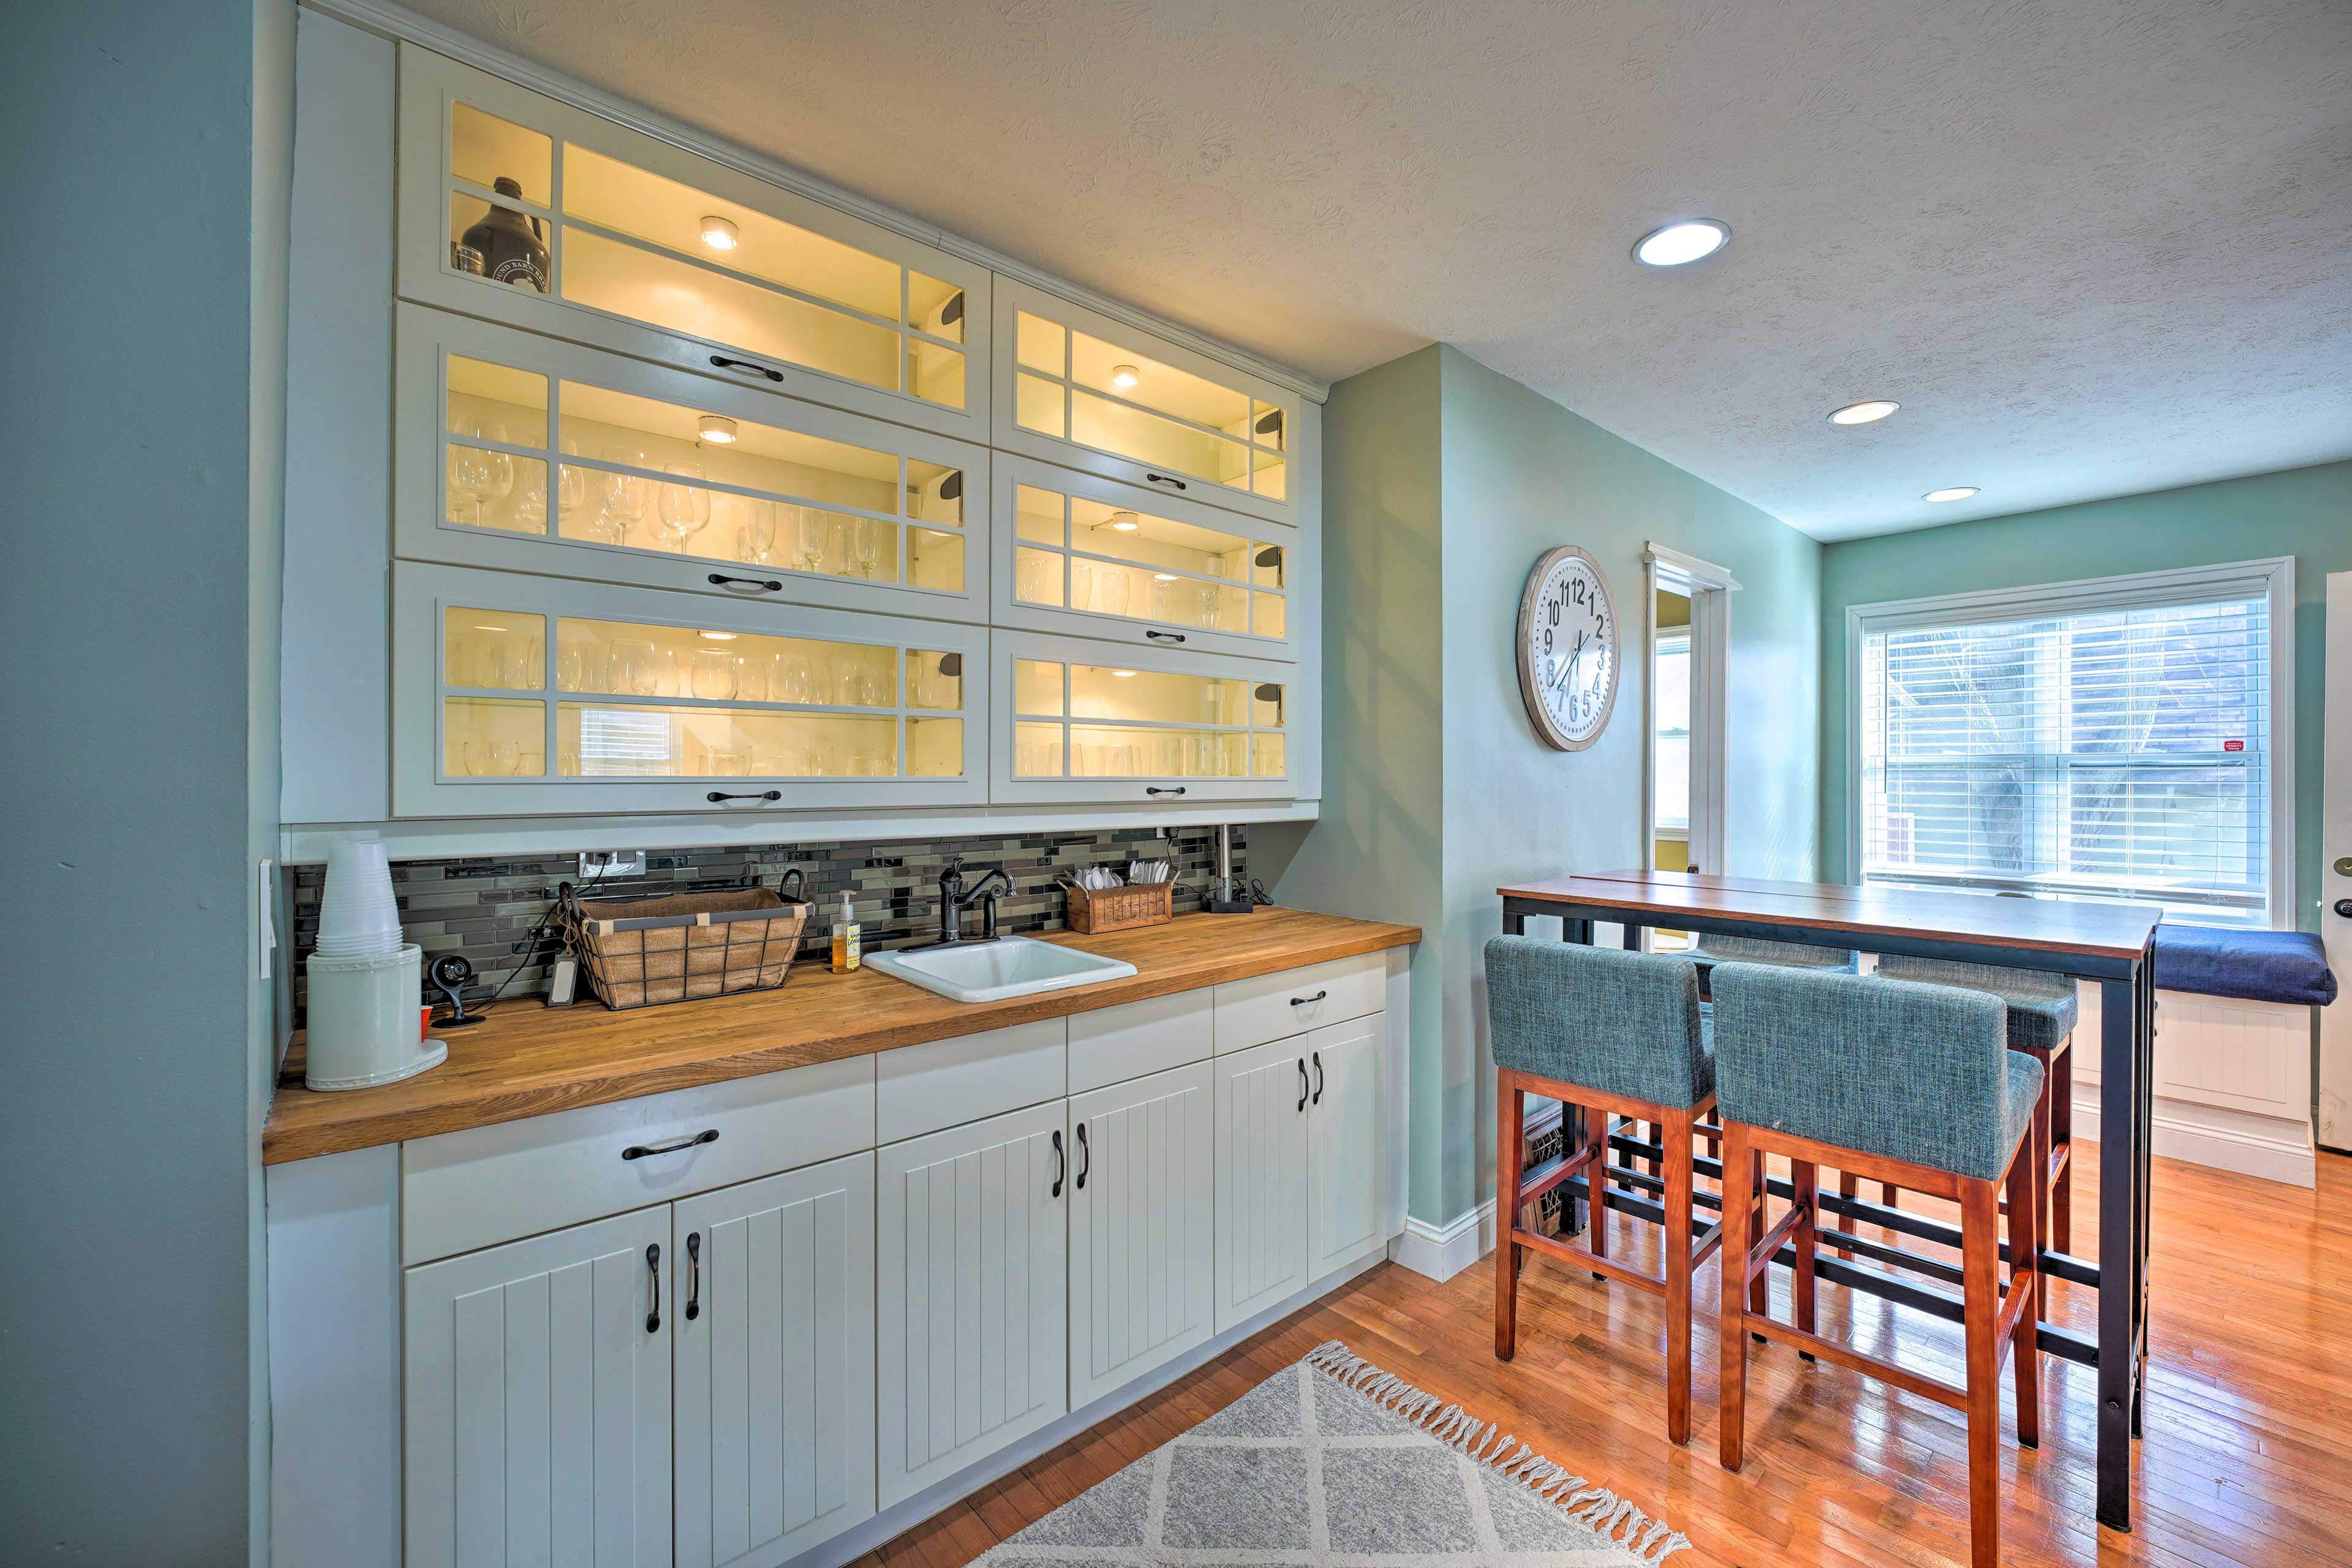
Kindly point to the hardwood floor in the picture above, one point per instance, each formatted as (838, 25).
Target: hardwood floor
(2247, 1459)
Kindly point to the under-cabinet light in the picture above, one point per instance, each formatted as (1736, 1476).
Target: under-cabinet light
(717, 636)
(1124, 376)
(720, 234)
(717, 429)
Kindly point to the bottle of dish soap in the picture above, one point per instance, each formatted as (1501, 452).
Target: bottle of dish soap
(844, 938)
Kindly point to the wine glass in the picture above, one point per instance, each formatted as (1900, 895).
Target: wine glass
(633, 673)
(530, 497)
(685, 508)
(714, 675)
(493, 759)
(836, 543)
(847, 680)
(868, 534)
(808, 532)
(1082, 585)
(478, 475)
(794, 684)
(624, 497)
(571, 486)
(1113, 593)
(755, 535)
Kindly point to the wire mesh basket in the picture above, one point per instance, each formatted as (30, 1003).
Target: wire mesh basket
(644, 951)
(1097, 909)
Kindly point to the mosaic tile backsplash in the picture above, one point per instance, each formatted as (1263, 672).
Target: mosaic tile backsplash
(486, 908)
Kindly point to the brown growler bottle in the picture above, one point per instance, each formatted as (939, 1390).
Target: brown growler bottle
(509, 243)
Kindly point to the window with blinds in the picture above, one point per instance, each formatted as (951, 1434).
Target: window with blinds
(2119, 753)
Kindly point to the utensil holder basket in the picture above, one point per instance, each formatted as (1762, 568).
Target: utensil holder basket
(645, 950)
(1100, 910)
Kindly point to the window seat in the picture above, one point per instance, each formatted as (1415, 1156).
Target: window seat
(2282, 966)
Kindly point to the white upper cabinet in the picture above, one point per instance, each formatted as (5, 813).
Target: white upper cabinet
(527, 453)
(1083, 721)
(516, 695)
(1093, 557)
(516, 206)
(1073, 386)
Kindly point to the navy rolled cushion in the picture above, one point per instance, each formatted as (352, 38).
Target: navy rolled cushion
(2257, 965)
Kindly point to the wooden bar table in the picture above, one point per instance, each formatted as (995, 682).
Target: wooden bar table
(2106, 943)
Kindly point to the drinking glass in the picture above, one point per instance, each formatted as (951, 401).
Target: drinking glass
(478, 475)
(685, 508)
(1082, 585)
(791, 679)
(868, 535)
(731, 764)
(808, 532)
(836, 543)
(1113, 593)
(572, 666)
(1162, 588)
(714, 674)
(633, 671)
(849, 680)
(1033, 577)
(1211, 598)
(531, 500)
(624, 497)
(493, 759)
(571, 485)
(755, 535)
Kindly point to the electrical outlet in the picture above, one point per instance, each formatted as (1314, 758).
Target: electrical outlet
(603, 865)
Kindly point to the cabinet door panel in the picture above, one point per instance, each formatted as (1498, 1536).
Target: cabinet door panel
(972, 1293)
(775, 1366)
(1261, 1175)
(1343, 1121)
(1142, 1261)
(537, 1401)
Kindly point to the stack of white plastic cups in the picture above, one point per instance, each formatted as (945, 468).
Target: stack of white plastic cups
(364, 981)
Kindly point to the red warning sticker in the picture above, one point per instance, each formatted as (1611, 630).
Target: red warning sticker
(2233, 745)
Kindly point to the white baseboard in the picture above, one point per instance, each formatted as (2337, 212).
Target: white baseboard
(2181, 1134)
(1441, 1253)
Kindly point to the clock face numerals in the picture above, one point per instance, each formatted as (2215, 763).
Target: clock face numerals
(1568, 652)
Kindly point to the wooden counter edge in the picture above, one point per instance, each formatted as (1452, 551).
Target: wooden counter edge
(363, 1128)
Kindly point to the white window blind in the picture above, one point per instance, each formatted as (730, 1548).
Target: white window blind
(2123, 752)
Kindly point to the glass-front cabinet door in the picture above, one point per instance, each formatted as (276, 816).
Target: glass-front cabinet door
(518, 207)
(1096, 558)
(1081, 389)
(1078, 720)
(516, 695)
(529, 455)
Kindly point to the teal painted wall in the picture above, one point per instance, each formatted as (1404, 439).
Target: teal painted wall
(1445, 481)
(2303, 512)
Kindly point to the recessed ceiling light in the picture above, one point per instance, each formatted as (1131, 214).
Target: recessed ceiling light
(1951, 492)
(1680, 243)
(1867, 412)
(717, 429)
(1124, 376)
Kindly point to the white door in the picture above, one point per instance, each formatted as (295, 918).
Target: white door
(972, 1293)
(2336, 871)
(776, 1364)
(1343, 1124)
(1142, 1250)
(1261, 1096)
(537, 1399)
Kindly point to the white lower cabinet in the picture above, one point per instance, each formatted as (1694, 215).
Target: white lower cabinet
(1262, 1187)
(1344, 1188)
(1142, 1265)
(776, 1364)
(537, 1399)
(972, 1293)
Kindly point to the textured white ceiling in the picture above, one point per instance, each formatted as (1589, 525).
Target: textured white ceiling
(2094, 246)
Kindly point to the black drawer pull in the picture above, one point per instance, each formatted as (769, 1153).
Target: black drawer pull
(720, 580)
(1164, 479)
(639, 1151)
(652, 1302)
(723, 362)
(1155, 789)
(1302, 1085)
(1308, 1001)
(1165, 637)
(693, 1275)
(715, 797)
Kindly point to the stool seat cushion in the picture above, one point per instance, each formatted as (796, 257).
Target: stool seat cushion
(2041, 1007)
(1626, 1023)
(1917, 1073)
(1713, 950)
(2288, 966)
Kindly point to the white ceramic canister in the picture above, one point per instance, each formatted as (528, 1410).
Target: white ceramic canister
(363, 1020)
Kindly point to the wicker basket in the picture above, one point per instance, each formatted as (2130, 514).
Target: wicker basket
(1100, 910)
(676, 947)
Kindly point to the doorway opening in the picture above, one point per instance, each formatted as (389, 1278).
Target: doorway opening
(1689, 605)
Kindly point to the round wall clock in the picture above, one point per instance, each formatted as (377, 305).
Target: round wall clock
(1568, 649)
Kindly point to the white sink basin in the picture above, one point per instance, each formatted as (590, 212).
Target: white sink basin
(992, 971)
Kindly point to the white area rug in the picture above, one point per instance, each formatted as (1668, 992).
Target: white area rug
(1333, 1461)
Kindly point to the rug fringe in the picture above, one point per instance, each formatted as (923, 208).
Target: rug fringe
(1599, 1510)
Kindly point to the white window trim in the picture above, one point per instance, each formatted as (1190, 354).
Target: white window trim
(1709, 588)
(2272, 578)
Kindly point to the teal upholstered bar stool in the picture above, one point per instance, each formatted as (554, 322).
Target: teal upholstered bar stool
(1900, 1082)
(1714, 950)
(2041, 1013)
(1616, 1033)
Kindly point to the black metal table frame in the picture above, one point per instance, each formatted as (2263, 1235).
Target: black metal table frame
(2127, 1045)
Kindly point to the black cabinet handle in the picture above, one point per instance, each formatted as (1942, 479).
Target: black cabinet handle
(723, 362)
(1061, 1163)
(1318, 1090)
(720, 580)
(1302, 1084)
(1308, 1001)
(2343, 908)
(639, 1151)
(715, 797)
(1165, 637)
(1155, 789)
(1155, 478)
(693, 1275)
(652, 1302)
(1087, 1157)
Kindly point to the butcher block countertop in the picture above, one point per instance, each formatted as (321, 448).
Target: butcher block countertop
(527, 1059)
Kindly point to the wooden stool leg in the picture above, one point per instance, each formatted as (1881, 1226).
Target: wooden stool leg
(1888, 1192)
(1678, 1277)
(1654, 1132)
(1739, 1202)
(2035, 1157)
(1511, 1156)
(1846, 1185)
(1596, 1228)
(2027, 1175)
(2062, 1136)
(1805, 1195)
(1757, 1299)
(1980, 1277)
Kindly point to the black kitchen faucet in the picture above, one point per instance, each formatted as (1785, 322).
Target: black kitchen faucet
(955, 898)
